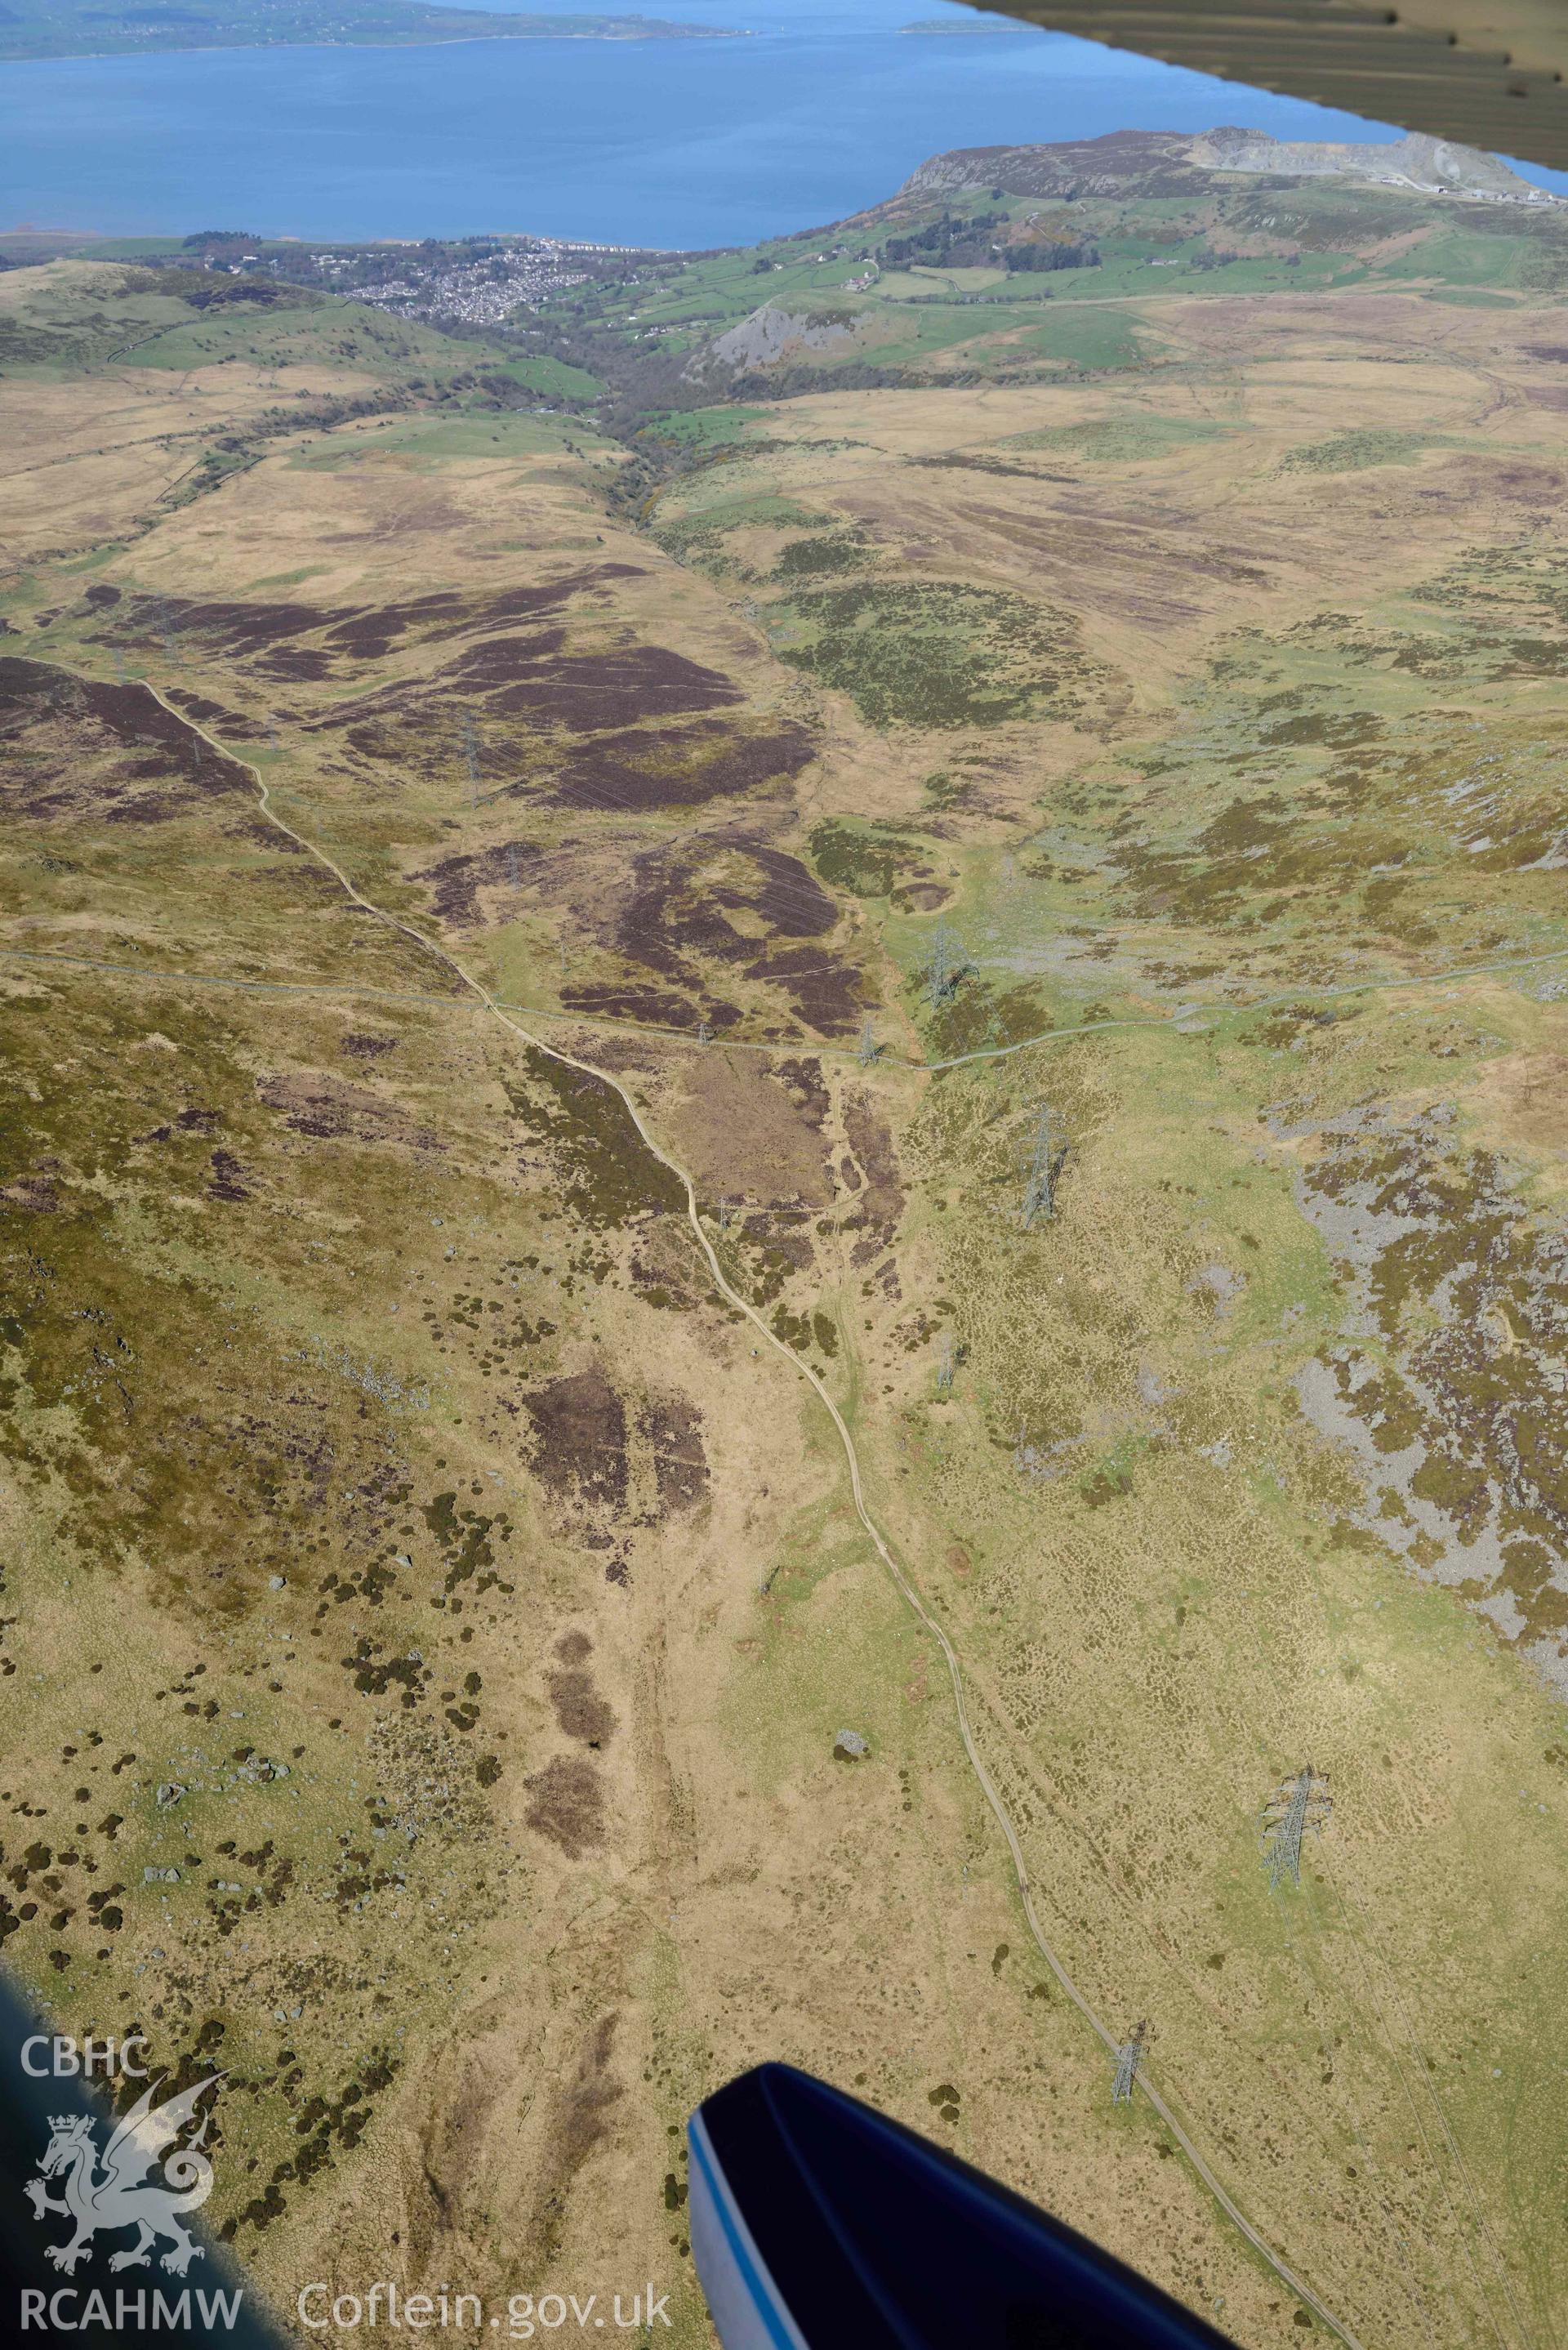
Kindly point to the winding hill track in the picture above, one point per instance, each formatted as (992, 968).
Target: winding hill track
(899, 1575)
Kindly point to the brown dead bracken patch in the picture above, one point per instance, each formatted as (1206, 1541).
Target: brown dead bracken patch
(579, 2123)
(881, 1203)
(580, 1709)
(566, 1804)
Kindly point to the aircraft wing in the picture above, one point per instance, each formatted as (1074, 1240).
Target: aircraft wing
(1489, 73)
(818, 2224)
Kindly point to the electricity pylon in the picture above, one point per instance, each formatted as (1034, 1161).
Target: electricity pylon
(1129, 2056)
(1039, 1187)
(947, 1363)
(868, 1047)
(1298, 1805)
(947, 966)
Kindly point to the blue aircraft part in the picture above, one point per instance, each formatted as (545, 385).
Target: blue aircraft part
(819, 2224)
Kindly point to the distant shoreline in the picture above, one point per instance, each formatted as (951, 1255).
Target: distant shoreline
(437, 41)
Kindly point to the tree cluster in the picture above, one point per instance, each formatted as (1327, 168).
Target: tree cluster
(1051, 252)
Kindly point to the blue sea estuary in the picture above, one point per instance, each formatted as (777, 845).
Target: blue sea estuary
(815, 113)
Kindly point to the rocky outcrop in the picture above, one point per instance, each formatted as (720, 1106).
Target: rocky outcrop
(1124, 162)
(776, 333)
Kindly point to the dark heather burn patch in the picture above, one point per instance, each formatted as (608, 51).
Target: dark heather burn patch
(33, 1194)
(669, 917)
(523, 603)
(789, 898)
(580, 1431)
(674, 922)
(456, 881)
(500, 661)
(63, 723)
(216, 714)
(626, 1000)
(228, 1178)
(242, 631)
(681, 767)
(369, 635)
(534, 680)
(521, 677)
(827, 994)
(671, 1426)
(297, 665)
(803, 1081)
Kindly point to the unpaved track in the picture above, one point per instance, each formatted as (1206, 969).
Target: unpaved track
(900, 1579)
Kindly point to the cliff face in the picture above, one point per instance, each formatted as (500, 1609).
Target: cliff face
(1156, 163)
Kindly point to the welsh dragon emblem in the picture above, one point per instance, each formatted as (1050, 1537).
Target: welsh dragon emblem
(120, 2194)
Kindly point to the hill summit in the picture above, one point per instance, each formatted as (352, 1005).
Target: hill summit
(1169, 163)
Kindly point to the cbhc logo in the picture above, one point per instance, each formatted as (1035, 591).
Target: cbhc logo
(67, 2059)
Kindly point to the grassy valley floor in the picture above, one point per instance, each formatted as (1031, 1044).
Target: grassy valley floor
(1064, 851)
